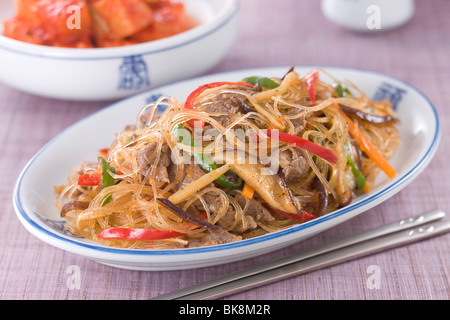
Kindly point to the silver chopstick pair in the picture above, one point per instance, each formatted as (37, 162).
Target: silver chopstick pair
(385, 237)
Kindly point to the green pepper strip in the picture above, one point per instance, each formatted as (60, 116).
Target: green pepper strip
(360, 179)
(229, 180)
(340, 90)
(107, 179)
(262, 81)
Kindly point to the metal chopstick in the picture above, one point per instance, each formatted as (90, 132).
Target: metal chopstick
(368, 242)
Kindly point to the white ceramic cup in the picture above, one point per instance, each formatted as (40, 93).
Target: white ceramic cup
(369, 15)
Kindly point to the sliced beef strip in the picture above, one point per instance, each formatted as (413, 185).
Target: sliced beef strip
(229, 218)
(204, 242)
(192, 172)
(214, 238)
(146, 159)
(255, 209)
(293, 165)
(222, 105)
(223, 236)
(299, 123)
(229, 103)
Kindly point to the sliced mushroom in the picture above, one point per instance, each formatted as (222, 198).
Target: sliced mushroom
(73, 205)
(270, 187)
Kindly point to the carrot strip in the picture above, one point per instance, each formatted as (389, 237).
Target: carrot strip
(367, 147)
(248, 191)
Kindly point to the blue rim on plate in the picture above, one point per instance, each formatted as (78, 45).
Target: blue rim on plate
(420, 165)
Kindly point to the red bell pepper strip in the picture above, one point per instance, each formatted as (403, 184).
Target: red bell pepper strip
(103, 153)
(138, 234)
(90, 179)
(141, 234)
(189, 104)
(312, 147)
(310, 81)
(98, 178)
(303, 217)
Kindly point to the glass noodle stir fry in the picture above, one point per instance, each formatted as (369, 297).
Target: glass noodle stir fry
(235, 160)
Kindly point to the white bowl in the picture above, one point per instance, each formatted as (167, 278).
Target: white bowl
(111, 73)
(369, 15)
(34, 194)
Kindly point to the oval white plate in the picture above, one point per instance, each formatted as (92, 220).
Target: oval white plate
(34, 196)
